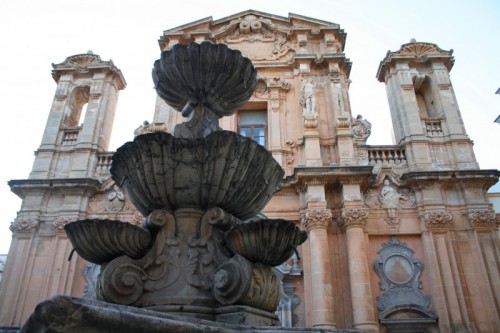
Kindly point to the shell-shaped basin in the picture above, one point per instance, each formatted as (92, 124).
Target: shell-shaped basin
(270, 242)
(222, 170)
(100, 241)
(214, 75)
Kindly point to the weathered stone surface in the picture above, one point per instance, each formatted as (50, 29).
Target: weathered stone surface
(222, 170)
(100, 241)
(205, 82)
(270, 242)
(63, 314)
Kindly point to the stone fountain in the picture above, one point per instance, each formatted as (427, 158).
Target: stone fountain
(201, 260)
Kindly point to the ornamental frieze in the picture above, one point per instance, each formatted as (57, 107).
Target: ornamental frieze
(483, 218)
(353, 217)
(24, 224)
(316, 218)
(438, 220)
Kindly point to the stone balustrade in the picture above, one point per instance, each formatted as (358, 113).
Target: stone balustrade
(433, 127)
(70, 135)
(386, 155)
(104, 161)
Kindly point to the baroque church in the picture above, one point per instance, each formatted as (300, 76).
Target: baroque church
(401, 238)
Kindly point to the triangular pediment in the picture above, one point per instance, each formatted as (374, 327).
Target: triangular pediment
(261, 36)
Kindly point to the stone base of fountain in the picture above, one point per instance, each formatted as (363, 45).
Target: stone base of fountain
(69, 314)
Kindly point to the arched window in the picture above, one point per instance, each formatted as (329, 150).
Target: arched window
(425, 96)
(77, 106)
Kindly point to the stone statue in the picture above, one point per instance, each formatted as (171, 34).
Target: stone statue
(308, 99)
(389, 196)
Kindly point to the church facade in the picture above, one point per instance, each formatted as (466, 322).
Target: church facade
(400, 237)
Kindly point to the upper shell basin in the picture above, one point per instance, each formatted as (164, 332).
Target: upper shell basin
(270, 242)
(218, 77)
(222, 170)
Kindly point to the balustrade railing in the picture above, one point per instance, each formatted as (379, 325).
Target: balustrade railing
(104, 162)
(433, 127)
(70, 135)
(386, 155)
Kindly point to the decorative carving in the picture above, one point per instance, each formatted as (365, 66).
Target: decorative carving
(242, 282)
(146, 127)
(419, 49)
(353, 217)
(261, 89)
(251, 29)
(81, 62)
(361, 129)
(24, 224)
(390, 197)
(60, 222)
(316, 218)
(399, 273)
(483, 218)
(308, 99)
(438, 220)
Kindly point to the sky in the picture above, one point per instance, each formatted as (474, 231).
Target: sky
(35, 34)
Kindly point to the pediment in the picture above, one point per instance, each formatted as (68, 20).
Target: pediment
(261, 36)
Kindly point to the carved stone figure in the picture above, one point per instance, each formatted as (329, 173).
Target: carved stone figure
(308, 99)
(361, 129)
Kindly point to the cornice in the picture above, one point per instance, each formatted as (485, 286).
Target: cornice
(23, 186)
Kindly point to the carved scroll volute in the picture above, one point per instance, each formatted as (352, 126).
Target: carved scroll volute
(317, 219)
(240, 281)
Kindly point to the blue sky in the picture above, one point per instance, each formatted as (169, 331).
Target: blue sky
(35, 34)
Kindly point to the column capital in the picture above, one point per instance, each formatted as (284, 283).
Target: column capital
(316, 219)
(438, 220)
(482, 219)
(353, 217)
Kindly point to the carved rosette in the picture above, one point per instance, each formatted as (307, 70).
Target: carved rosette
(317, 219)
(438, 220)
(24, 224)
(353, 217)
(482, 219)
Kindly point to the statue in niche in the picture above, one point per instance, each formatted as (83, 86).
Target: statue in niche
(308, 100)
(389, 196)
(361, 129)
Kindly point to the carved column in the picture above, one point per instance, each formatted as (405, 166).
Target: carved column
(352, 222)
(316, 223)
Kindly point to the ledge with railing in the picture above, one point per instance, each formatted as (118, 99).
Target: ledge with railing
(386, 155)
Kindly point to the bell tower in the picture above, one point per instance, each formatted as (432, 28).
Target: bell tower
(81, 118)
(65, 174)
(424, 110)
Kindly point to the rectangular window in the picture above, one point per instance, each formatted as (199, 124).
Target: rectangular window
(253, 124)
